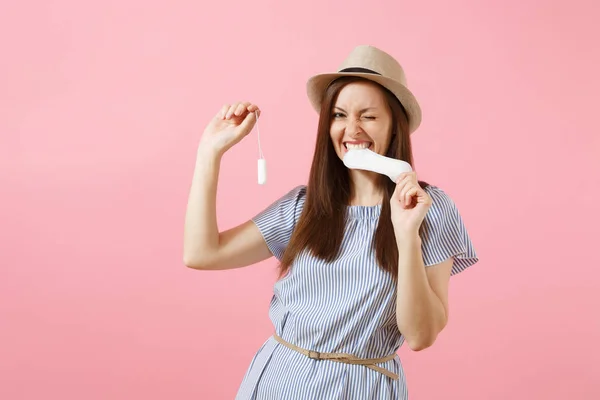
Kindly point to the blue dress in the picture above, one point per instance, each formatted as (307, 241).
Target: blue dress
(346, 306)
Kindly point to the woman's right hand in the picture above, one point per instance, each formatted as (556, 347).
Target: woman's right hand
(229, 127)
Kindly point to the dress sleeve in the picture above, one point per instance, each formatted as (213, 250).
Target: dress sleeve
(277, 222)
(445, 235)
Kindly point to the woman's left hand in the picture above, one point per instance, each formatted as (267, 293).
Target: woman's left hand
(409, 205)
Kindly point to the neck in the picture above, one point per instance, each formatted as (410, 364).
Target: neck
(364, 189)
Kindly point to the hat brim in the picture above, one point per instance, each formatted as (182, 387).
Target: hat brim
(317, 85)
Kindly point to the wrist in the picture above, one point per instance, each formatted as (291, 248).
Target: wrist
(208, 160)
(208, 153)
(406, 237)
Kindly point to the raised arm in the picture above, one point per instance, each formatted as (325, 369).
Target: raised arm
(205, 247)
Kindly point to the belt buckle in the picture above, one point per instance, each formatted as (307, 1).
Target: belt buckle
(314, 354)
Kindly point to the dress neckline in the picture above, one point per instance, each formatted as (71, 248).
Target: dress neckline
(364, 212)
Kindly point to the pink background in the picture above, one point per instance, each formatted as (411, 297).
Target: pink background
(101, 108)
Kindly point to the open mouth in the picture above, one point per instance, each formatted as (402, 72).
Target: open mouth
(357, 145)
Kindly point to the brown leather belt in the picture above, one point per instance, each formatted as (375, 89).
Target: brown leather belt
(343, 358)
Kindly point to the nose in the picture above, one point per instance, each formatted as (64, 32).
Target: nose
(353, 127)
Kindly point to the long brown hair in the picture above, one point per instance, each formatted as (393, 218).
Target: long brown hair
(320, 227)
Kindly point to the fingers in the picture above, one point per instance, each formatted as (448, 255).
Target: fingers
(223, 111)
(402, 181)
(230, 110)
(253, 108)
(407, 188)
(241, 107)
(407, 195)
(247, 123)
(238, 109)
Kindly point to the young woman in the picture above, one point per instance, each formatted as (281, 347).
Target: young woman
(365, 262)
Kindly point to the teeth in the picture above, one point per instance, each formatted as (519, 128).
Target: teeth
(357, 146)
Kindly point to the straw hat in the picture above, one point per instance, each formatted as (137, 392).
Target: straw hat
(374, 64)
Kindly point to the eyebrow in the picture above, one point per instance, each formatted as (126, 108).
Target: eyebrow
(361, 111)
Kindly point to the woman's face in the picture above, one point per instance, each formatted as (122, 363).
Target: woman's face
(361, 118)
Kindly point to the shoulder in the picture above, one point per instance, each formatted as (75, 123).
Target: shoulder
(278, 220)
(445, 234)
(287, 206)
(443, 213)
(296, 193)
(442, 203)
(293, 198)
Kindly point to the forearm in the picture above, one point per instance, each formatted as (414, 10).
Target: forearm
(419, 311)
(201, 232)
